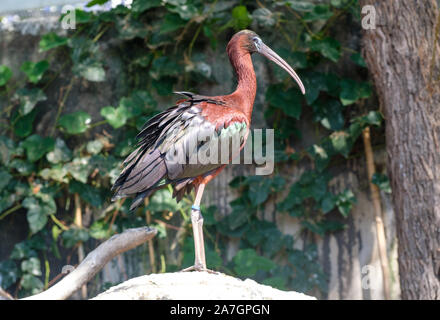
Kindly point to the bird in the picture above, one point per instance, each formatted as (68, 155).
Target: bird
(174, 135)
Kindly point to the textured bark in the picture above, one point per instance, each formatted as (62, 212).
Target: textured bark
(402, 54)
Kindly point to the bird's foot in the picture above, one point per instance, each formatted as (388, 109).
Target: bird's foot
(199, 268)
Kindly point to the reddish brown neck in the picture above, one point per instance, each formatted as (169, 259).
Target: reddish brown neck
(241, 61)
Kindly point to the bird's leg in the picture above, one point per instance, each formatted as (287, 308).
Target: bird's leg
(197, 225)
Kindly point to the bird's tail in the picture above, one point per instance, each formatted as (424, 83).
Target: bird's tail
(140, 177)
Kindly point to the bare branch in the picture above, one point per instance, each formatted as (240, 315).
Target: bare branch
(4, 295)
(95, 261)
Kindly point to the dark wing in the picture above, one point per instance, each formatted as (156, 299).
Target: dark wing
(167, 135)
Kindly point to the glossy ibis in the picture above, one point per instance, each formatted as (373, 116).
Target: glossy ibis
(151, 166)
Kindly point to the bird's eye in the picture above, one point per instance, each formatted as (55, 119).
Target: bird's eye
(257, 41)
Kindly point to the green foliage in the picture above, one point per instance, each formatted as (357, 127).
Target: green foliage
(247, 263)
(35, 71)
(36, 146)
(116, 117)
(328, 47)
(240, 18)
(76, 122)
(382, 182)
(28, 99)
(51, 40)
(161, 48)
(5, 75)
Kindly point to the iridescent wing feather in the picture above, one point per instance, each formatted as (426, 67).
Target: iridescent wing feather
(166, 145)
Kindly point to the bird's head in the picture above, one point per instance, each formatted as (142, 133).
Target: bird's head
(252, 43)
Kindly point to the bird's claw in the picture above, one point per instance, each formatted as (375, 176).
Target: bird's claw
(199, 268)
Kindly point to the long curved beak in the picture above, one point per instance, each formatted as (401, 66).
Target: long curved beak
(271, 55)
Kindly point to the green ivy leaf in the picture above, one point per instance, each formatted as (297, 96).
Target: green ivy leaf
(99, 229)
(94, 146)
(241, 18)
(213, 259)
(79, 168)
(8, 273)
(31, 266)
(247, 263)
(76, 122)
(61, 152)
(320, 155)
(341, 142)
(162, 200)
(329, 114)
(88, 193)
(140, 6)
(23, 250)
(328, 47)
(352, 91)
(340, 3)
(357, 58)
(186, 10)
(259, 189)
(7, 147)
(345, 201)
(278, 282)
(238, 217)
(37, 146)
(129, 28)
(264, 17)
(164, 86)
(5, 177)
(5, 75)
(29, 98)
(349, 92)
(57, 173)
(290, 101)
(313, 227)
(90, 70)
(116, 117)
(23, 167)
(301, 6)
(97, 2)
(172, 22)
(23, 126)
(32, 283)
(293, 198)
(74, 235)
(35, 71)
(137, 104)
(314, 82)
(36, 214)
(333, 84)
(328, 202)
(373, 118)
(319, 12)
(382, 182)
(51, 40)
(165, 66)
(82, 16)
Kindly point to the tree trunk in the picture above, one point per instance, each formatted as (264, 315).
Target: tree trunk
(402, 54)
